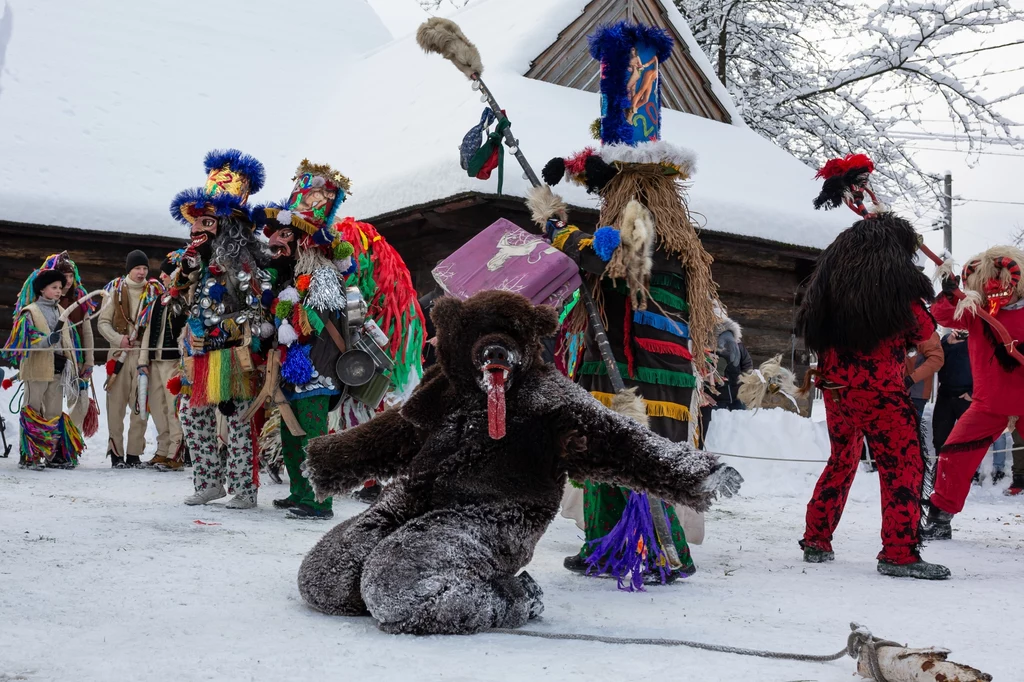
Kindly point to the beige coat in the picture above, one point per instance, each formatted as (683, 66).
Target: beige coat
(40, 366)
(109, 320)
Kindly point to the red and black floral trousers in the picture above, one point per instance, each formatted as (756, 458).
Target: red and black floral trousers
(889, 422)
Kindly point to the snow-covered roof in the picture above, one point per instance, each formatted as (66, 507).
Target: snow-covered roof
(398, 117)
(107, 107)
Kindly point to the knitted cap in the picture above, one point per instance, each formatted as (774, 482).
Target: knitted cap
(135, 259)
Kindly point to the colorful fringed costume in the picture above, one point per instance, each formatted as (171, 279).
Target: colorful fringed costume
(320, 265)
(386, 284)
(307, 273)
(994, 282)
(222, 284)
(864, 308)
(48, 355)
(651, 278)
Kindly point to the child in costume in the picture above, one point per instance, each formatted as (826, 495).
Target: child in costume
(223, 288)
(652, 282)
(992, 280)
(864, 307)
(123, 322)
(81, 326)
(44, 349)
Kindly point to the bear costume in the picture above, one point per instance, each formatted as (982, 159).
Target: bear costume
(438, 552)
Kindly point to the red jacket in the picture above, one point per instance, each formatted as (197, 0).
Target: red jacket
(995, 389)
(884, 368)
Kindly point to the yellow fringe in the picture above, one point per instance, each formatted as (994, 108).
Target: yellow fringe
(655, 408)
(584, 243)
(214, 388)
(304, 325)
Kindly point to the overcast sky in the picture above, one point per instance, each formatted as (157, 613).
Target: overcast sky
(995, 175)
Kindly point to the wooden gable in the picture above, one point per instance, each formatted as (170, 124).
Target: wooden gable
(568, 62)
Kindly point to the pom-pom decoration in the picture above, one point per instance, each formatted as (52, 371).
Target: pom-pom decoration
(6, 384)
(174, 385)
(286, 334)
(297, 368)
(606, 240)
(267, 330)
(217, 292)
(343, 250)
(553, 171)
(283, 309)
(290, 294)
(284, 217)
(302, 283)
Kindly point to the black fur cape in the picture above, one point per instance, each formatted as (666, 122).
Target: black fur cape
(863, 286)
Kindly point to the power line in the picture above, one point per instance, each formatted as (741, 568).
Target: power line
(980, 49)
(991, 201)
(960, 151)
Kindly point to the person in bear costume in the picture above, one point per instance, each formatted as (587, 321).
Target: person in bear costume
(473, 492)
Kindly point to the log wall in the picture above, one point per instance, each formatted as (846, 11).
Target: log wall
(100, 257)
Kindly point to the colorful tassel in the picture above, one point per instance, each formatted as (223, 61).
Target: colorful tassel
(630, 547)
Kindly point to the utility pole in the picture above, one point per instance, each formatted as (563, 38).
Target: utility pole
(947, 229)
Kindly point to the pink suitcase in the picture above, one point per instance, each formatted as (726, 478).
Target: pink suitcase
(507, 258)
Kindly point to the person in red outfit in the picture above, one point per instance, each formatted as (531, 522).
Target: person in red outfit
(863, 309)
(992, 279)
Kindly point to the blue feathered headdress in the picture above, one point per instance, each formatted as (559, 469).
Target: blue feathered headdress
(612, 46)
(231, 177)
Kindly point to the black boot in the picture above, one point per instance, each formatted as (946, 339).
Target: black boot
(285, 503)
(922, 570)
(533, 593)
(575, 563)
(304, 511)
(116, 462)
(133, 462)
(936, 526)
(1016, 486)
(813, 555)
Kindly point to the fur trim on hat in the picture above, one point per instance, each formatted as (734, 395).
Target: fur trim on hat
(44, 279)
(659, 151)
(727, 324)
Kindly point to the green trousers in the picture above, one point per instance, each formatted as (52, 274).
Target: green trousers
(312, 416)
(603, 505)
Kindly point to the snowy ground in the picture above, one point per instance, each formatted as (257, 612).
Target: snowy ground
(106, 575)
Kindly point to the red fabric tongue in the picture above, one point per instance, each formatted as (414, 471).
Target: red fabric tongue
(496, 404)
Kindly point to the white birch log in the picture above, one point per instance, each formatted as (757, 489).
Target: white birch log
(900, 664)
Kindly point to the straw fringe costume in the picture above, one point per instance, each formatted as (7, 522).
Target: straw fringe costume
(648, 271)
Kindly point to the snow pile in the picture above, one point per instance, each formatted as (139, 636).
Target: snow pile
(411, 110)
(107, 575)
(108, 107)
